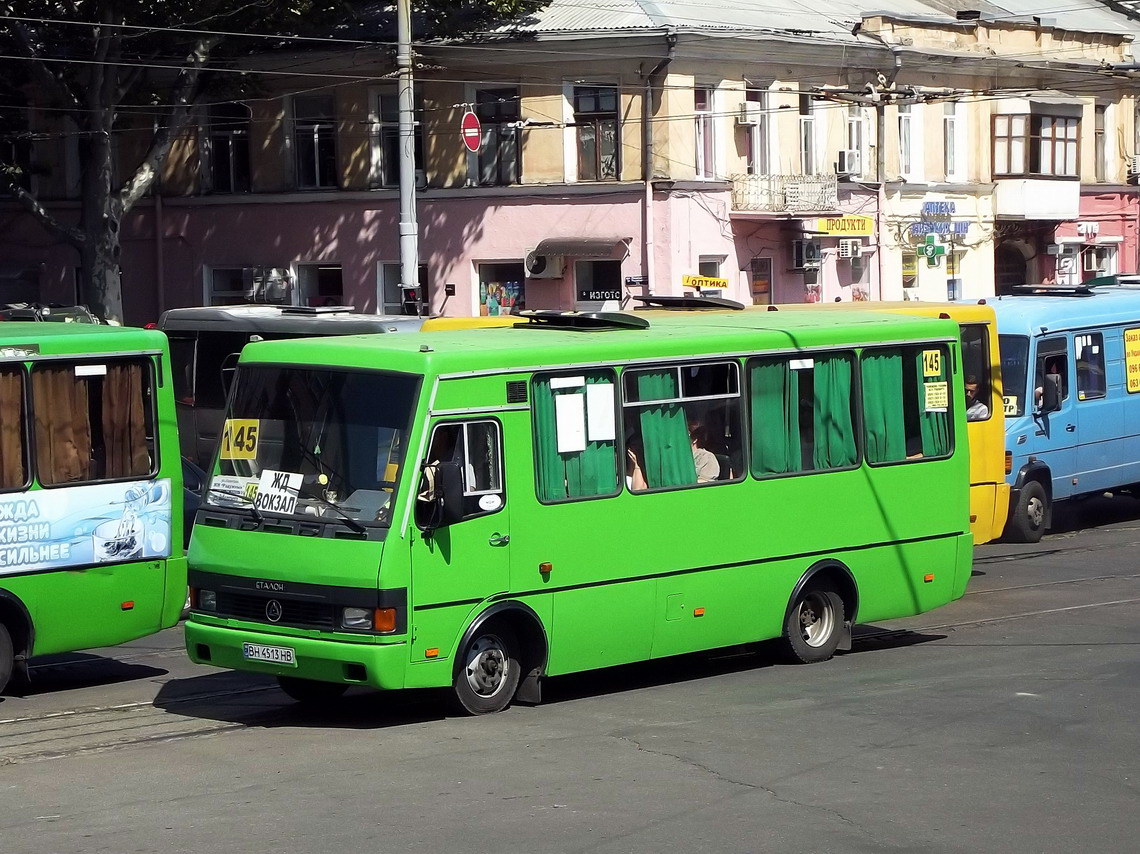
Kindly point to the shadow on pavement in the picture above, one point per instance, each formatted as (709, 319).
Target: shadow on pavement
(78, 670)
(254, 700)
(1076, 515)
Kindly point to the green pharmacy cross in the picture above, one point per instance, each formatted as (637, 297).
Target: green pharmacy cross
(933, 250)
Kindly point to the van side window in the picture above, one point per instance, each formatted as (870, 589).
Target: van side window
(683, 425)
(906, 403)
(1089, 348)
(976, 368)
(477, 448)
(93, 420)
(575, 435)
(1052, 360)
(802, 416)
(13, 429)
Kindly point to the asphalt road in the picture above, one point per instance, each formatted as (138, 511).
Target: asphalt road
(1006, 721)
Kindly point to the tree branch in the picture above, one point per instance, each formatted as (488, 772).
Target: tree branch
(55, 84)
(183, 99)
(71, 234)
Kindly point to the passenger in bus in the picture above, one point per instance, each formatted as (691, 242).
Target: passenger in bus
(708, 466)
(975, 409)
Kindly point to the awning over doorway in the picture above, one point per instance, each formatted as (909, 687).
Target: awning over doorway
(584, 247)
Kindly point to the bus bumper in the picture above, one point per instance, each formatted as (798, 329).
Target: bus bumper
(375, 665)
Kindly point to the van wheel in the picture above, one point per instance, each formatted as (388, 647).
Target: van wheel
(488, 671)
(1027, 524)
(311, 691)
(814, 626)
(7, 657)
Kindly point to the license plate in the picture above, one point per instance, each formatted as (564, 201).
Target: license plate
(273, 654)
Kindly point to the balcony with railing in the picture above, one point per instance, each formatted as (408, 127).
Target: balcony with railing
(785, 194)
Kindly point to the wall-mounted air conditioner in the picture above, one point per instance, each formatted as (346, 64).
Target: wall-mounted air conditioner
(543, 266)
(806, 254)
(848, 162)
(850, 247)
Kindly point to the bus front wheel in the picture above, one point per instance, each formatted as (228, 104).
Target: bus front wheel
(814, 626)
(7, 657)
(310, 691)
(1031, 515)
(488, 671)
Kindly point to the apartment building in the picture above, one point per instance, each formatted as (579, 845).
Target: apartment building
(767, 155)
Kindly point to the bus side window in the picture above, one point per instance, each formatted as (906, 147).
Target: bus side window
(476, 447)
(1089, 348)
(13, 430)
(575, 435)
(94, 421)
(906, 403)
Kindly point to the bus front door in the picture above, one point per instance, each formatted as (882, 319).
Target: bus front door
(1055, 436)
(466, 560)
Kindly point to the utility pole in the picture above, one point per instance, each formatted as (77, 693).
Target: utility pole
(409, 228)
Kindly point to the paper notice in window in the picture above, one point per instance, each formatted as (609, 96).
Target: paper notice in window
(570, 422)
(937, 397)
(600, 425)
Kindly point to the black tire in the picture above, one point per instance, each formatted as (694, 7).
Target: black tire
(487, 671)
(1031, 516)
(814, 626)
(7, 657)
(311, 691)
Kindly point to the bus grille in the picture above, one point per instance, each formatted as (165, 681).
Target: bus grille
(312, 615)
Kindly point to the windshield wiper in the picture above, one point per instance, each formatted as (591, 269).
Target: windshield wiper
(250, 504)
(348, 520)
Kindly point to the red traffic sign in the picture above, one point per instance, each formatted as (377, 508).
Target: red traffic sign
(471, 131)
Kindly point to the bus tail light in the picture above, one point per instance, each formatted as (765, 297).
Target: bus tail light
(1008, 461)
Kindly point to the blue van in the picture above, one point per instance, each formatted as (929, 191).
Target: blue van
(1070, 360)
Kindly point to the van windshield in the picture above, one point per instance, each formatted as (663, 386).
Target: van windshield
(1014, 368)
(314, 442)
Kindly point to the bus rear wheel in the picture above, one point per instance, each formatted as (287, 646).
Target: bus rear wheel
(7, 657)
(1030, 516)
(488, 672)
(814, 626)
(311, 691)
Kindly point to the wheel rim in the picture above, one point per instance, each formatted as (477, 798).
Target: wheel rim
(486, 667)
(816, 619)
(1035, 511)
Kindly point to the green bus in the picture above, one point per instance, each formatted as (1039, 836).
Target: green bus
(482, 509)
(91, 524)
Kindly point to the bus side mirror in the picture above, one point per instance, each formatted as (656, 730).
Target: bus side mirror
(439, 502)
(1051, 393)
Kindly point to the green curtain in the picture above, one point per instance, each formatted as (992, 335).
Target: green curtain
(578, 474)
(667, 452)
(883, 406)
(934, 426)
(834, 430)
(775, 418)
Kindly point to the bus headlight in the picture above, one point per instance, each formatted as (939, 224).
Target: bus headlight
(206, 600)
(356, 618)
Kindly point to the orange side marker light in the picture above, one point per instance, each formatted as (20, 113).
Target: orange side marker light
(698, 612)
(929, 577)
(432, 653)
(127, 606)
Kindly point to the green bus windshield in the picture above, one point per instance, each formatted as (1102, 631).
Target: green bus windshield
(327, 443)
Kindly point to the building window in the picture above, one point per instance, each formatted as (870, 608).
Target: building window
(1100, 148)
(501, 289)
(856, 134)
(391, 299)
(705, 130)
(227, 148)
(906, 139)
(756, 131)
(388, 138)
(909, 270)
(320, 284)
(807, 136)
(314, 135)
(498, 161)
(950, 153)
(1098, 261)
(1035, 145)
(227, 286)
(596, 127)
